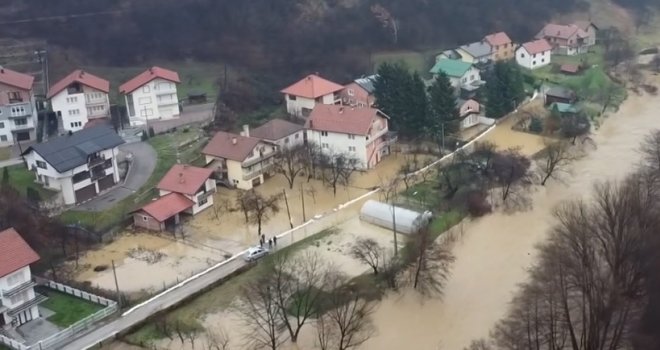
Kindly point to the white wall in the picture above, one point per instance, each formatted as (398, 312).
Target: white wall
(338, 143)
(72, 108)
(153, 101)
(295, 107)
(294, 139)
(471, 76)
(18, 277)
(524, 59)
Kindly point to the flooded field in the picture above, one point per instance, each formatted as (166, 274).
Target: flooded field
(503, 137)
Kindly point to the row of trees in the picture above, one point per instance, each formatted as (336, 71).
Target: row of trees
(504, 89)
(595, 285)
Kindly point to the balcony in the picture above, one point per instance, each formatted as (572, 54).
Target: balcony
(19, 109)
(258, 160)
(94, 161)
(38, 299)
(97, 174)
(254, 173)
(19, 288)
(22, 127)
(205, 194)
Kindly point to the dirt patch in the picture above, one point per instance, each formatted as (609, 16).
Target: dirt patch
(147, 255)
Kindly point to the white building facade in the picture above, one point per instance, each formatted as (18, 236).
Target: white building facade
(18, 298)
(18, 111)
(302, 96)
(534, 54)
(78, 98)
(152, 95)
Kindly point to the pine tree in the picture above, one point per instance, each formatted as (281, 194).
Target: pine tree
(417, 108)
(504, 89)
(390, 91)
(442, 107)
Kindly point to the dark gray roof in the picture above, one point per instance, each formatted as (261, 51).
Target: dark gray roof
(477, 49)
(69, 151)
(560, 91)
(367, 83)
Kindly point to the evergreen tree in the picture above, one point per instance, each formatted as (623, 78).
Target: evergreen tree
(504, 89)
(442, 107)
(417, 108)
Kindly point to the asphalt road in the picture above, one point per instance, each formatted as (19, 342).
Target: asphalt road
(143, 164)
(191, 114)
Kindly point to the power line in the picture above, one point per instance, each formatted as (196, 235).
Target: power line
(62, 17)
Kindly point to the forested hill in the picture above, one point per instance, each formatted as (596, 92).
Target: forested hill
(281, 34)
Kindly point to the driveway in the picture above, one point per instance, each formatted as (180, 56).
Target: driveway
(142, 165)
(191, 114)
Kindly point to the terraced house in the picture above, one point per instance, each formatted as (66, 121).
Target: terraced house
(18, 112)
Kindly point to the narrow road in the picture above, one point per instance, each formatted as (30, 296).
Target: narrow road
(142, 166)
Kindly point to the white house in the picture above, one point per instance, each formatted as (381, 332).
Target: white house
(18, 301)
(78, 98)
(243, 161)
(302, 96)
(278, 131)
(361, 132)
(80, 165)
(534, 54)
(461, 74)
(191, 182)
(18, 111)
(477, 52)
(151, 95)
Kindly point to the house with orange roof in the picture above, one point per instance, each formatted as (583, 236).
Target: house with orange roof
(303, 95)
(18, 300)
(567, 39)
(163, 213)
(78, 98)
(192, 182)
(18, 111)
(502, 47)
(360, 132)
(534, 54)
(151, 95)
(242, 161)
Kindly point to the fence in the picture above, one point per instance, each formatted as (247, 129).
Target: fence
(75, 292)
(11, 343)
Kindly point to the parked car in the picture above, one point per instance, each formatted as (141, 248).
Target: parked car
(255, 253)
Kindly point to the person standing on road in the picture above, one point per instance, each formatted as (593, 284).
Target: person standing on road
(270, 243)
(275, 241)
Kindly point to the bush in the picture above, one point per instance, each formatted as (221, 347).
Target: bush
(144, 136)
(536, 125)
(477, 204)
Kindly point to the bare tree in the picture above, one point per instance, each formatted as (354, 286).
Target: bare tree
(337, 169)
(650, 151)
(290, 162)
(260, 208)
(261, 315)
(390, 191)
(369, 252)
(557, 157)
(217, 339)
(243, 201)
(510, 174)
(428, 263)
(347, 324)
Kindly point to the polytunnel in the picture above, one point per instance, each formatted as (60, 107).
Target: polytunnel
(407, 221)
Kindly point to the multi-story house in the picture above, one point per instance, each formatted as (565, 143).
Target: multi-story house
(240, 160)
(280, 132)
(191, 182)
(479, 52)
(503, 48)
(468, 111)
(80, 165)
(18, 111)
(534, 54)
(302, 96)
(18, 301)
(462, 75)
(591, 29)
(567, 39)
(360, 92)
(78, 98)
(151, 95)
(362, 133)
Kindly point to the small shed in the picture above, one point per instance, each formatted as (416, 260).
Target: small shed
(558, 94)
(570, 69)
(163, 213)
(407, 221)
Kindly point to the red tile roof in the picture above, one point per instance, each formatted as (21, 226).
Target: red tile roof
(15, 253)
(275, 129)
(16, 79)
(186, 179)
(561, 31)
(342, 119)
(167, 206)
(230, 146)
(497, 39)
(147, 76)
(570, 68)
(312, 86)
(537, 46)
(82, 77)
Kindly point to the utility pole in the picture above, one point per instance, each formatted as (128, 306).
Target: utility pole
(114, 272)
(288, 212)
(302, 197)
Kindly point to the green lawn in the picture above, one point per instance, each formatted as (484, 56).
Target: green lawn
(68, 309)
(419, 61)
(166, 148)
(20, 178)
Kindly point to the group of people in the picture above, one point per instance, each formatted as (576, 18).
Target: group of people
(271, 241)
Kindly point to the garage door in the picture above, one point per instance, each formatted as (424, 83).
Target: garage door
(106, 182)
(23, 136)
(85, 193)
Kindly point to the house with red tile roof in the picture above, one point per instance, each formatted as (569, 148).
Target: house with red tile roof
(151, 95)
(191, 182)
(568, 39)
(18, 111)
(534, 54)
(163, 213)
(303, 95)
(78, 98)
(18, 300)
(360, 92)
(502, 46)
(361, 132)
(241, 160)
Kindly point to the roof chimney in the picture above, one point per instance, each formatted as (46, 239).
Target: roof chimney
(233, 140)
(246, 130)
(181, 179)
(82, 73)
(151, 70)
(341, 110)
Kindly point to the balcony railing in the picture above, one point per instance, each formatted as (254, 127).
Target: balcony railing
(38, 299)
(21, 127)
(19, 288)
(19, 109)
(94, 161)
(205, 195)
(254, 173)
(258, 160)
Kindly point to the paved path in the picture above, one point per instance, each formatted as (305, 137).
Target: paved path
(10, 162)
(143, 164)
(191, 114)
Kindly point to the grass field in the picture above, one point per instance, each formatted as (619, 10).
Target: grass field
(420, 61)
(166, 148)
(68, 309)
(20, 178)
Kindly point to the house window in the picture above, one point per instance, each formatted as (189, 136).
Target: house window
(81, 176)
(41, 164)
(71, 99)
(146, 88)
(324, 133)
(144, 100)
(464, 80)
(325, 145)
(74, 112)
(286, 140)
(2, 125)
(145, 218)
(19, 110)
(14, 97)
(533, 63)
(131, 107)
(76, 124)
(20, 121)
(542, 60)
(292, 98)
(297, 136)
(3, 138)
(351, 137)
(235, 181)
(351, 92)
(203, 201)
(351, 148)
(522, 55)
(15, 279)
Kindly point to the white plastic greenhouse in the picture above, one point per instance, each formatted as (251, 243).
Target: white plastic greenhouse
(407, 221)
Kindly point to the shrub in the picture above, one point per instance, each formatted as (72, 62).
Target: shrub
(477, 204)
(536, 125)
(151, 132)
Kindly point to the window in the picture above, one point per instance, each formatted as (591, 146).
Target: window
(74, 112)
(522, 55)
(71, 99)
(203, 201)
(3, 138)
(81, 176)
(324, 133)
(533, 63)
(76, 124)
(146, 88)
(14, 97)
(235, 181)
(20, 121)
(2, 125)
(292, 98)
(144, 100)
(146, 112)
(297, 136)
(145, 218)
(472, 77)
(351, 137)
(286, 140)
(542, 60)
(464, 80)
(351, 92)
(131, 106)
(325, 145)
(16, 278)
(351, 148)
(18, 110)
